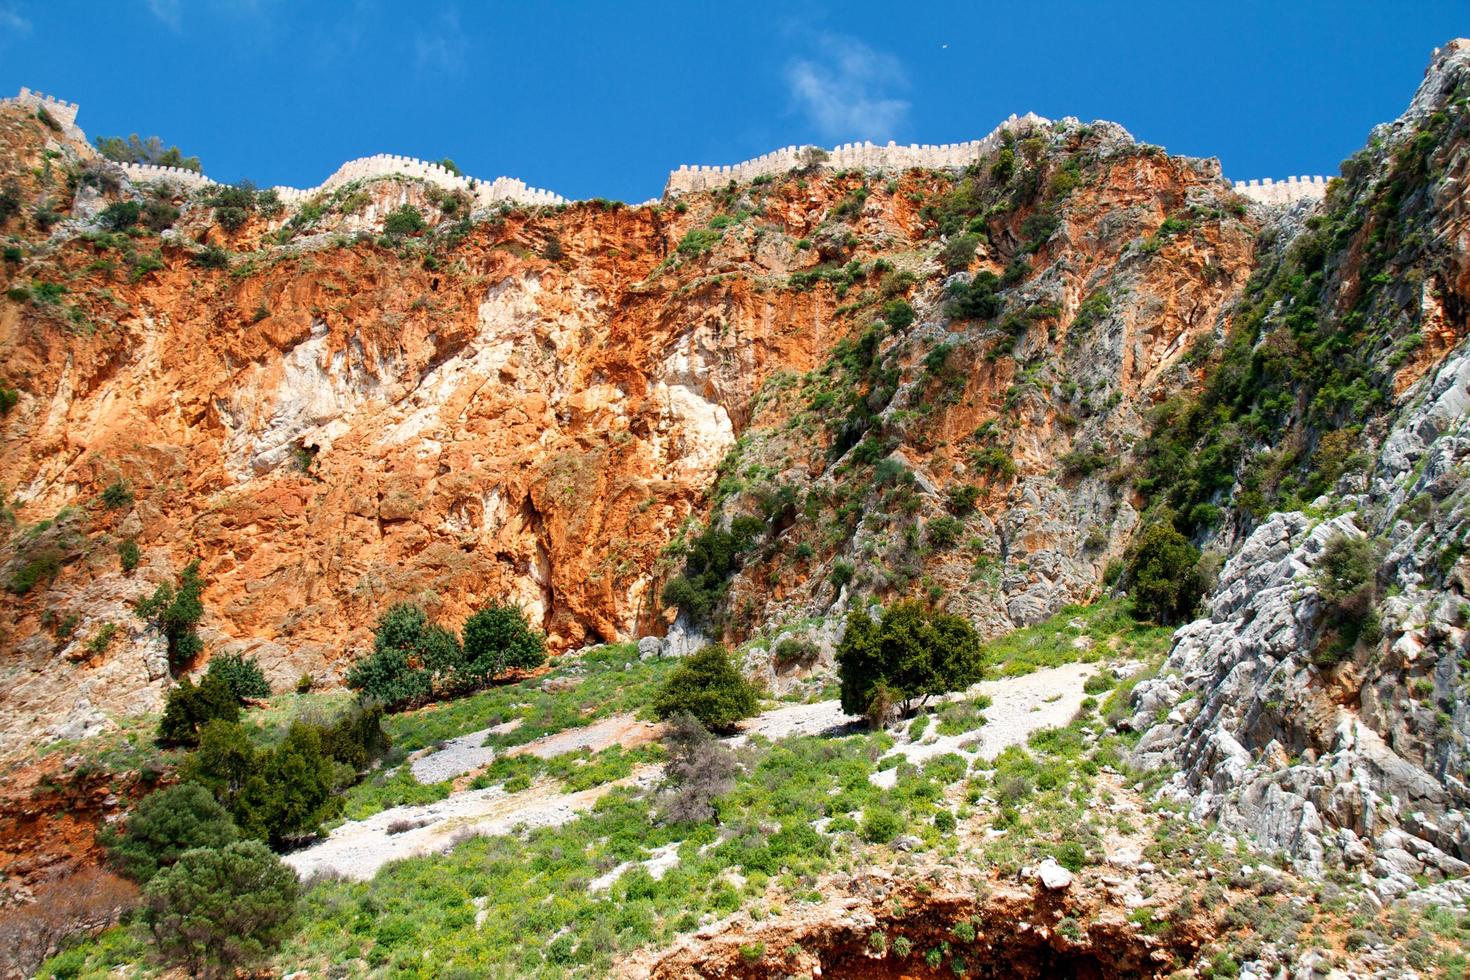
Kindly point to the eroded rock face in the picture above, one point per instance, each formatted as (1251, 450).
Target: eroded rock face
(1361, 763)
(335, 425)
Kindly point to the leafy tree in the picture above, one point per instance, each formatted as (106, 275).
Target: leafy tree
(405, 220)
(712, 558)
(224, 761)
(278, 794)
(189, 708)
(1164, 570)
(498, 638)
(292, 791)
(120, 215)
(410, 653)
(699, 771)
(242, 674)
(357, 738)
(150, 150)
(164, 826)
(906, 657)
(216, 910)
(709, 687)
(177, 611)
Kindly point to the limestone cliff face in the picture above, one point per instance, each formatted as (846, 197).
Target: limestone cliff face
(1355, 759)
(530, 405)
(919, 382)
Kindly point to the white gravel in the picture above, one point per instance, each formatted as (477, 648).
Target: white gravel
(357, 849)
(459, 755)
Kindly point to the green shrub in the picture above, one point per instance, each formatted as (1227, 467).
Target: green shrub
(498, 638)
(216, 910)
(241, 674)
(963, 498)
(711, 559)
(795, 650)
(117, 495)
(406, 220)
(880, 825)
(976, 299)
(709, 687)
(120, 215)
(959, 252)
(177, 611)
(188, 708)
(1163, 572)
(697, 241)
(1347, 582)
(211, 257)
(165, 825)
(911, 654)
(898, 314)
(42, 567)
(129, 554)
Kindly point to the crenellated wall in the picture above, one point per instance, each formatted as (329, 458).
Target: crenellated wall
(847, 156)
(1286, 191)
(63, 112)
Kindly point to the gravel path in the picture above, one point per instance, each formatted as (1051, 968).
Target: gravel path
(1047, 698)
(357, 849)
(459, 755)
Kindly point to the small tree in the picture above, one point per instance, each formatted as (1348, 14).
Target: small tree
(120, 215)
(164, 826)
(292, 792)
(905, 658)
(242, 674)
(406, 220)
(1163, 568)
(189, 708)
(707, 686)
(217, 910)
(410, 654)
(699, 771)
(177, 611)
(498, 638)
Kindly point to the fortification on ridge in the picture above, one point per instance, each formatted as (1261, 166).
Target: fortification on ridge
(686, 179)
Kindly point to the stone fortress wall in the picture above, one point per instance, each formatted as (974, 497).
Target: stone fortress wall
(869, 156)
(483, 193)
(63, 112)
(1287, 191)
(847, 156)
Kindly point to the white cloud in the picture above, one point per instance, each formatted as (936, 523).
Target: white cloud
(846, 89)
(444, 47)
(11, 21)
(168, 11)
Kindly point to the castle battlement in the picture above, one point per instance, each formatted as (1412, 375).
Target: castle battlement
(848, 156)
(62, 111)
(1288, 191)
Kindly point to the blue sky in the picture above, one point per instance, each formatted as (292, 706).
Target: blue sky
(603, 99)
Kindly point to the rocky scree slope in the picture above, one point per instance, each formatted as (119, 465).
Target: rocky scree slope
(536, 404)
(1334, 731)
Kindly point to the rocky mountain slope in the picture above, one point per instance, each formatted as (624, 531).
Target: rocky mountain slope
(535, 405)
(738, 413)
